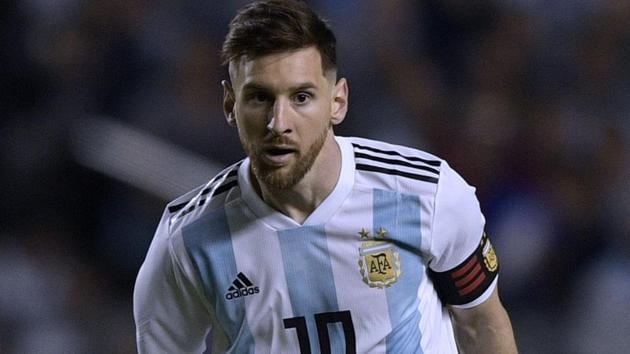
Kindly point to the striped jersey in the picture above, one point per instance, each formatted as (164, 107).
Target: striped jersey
(354, 277)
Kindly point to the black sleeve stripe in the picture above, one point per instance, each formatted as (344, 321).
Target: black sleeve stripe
(396, 162)
(225, 187)
(233, 171)
(221, 189)
(435, 163)
(175, 208)
(370, 168)
(470, 279)
(208, 189)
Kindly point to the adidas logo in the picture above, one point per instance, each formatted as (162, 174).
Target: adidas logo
(241, 287)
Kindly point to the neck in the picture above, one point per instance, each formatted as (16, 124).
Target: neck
(302, 199)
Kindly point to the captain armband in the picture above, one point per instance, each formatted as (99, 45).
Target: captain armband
(470, 279)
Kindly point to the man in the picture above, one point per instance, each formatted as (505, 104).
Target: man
(316, 243)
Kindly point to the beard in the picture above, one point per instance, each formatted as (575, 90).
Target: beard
(287, 176)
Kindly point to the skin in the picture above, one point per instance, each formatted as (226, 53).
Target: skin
(485, 328)
(284, 106)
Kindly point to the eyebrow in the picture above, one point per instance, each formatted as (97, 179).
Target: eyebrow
(254, 86)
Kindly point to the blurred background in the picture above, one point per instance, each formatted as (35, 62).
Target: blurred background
(111, 108)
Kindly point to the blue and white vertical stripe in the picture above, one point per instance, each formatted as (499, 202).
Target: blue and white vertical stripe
(310, 270)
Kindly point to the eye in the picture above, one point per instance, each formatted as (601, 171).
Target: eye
(302, 97)
(258, 98)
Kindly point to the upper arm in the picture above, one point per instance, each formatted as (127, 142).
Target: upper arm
(462, 265)
(170, 315)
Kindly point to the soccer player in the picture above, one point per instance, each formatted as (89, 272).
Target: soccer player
(316, 243)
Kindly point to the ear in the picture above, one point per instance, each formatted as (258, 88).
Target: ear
(339, 101)
(228, 103)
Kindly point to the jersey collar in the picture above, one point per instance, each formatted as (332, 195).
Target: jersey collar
(324, 211)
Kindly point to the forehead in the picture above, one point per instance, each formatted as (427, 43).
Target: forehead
(279, 69)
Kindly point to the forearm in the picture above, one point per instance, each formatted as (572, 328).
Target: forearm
(486, 337)
(484, 329)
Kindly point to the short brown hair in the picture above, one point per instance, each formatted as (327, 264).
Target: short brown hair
(273, 26)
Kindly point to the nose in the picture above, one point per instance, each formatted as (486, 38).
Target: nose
(279, 122)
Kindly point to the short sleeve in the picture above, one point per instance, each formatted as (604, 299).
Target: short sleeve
(169, 312)
(462, 262)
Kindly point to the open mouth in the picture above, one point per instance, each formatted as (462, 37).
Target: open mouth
(279, 151)
(278, 155)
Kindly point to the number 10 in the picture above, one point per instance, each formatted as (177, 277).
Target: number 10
(322, 320)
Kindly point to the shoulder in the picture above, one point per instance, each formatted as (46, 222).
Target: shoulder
(395, 167)
(389, 149)
(209, 196)
(409, 170)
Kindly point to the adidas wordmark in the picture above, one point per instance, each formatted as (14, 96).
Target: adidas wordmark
(241, 286)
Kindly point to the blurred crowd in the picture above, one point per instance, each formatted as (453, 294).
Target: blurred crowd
(528, 99)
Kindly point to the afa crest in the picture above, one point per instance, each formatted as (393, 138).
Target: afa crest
(379, 260)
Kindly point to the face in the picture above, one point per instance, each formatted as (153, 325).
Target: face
(284, 107)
